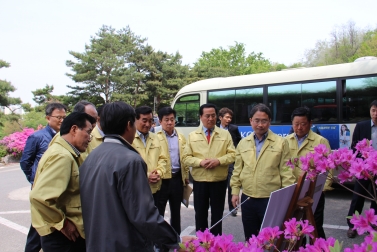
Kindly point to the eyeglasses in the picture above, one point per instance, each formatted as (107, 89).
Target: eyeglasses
(263, 122)
(60, 118)
(89, 132)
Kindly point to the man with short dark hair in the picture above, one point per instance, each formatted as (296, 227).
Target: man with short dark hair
(55, 197)
(176, 174)
(88, 108)
(260, 169)
(117, 203)
(301, 142)
(35, 146)
(226, 116)
(209, 151)
(364, 130)
(148, 145)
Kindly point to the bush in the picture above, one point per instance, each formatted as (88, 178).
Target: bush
(3, 151)
(15, 142)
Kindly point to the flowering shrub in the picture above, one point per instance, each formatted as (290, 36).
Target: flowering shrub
(294, 230)
(15, 143)
(265, 240)
(361, 165)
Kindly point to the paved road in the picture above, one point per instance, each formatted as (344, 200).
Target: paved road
(15, 213)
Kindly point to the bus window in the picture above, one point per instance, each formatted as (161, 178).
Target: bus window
(245, 100)
(282, 100)
(222, 98)
(187, 108)
(357, 96)
(320, 98)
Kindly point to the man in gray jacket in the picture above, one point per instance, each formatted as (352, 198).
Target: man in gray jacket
(117, 204)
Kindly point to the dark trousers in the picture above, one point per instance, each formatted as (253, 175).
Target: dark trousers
(33, 241)
(172, 191)
(230, 173)
(318, 216)
(57, 242)
(253, 211)
(357, 202)
(209, 194)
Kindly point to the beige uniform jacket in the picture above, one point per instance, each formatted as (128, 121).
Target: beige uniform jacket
(97, 138)
(260, 176)
(307, 146)
(56, 195)
(220, 147)
(82, 156)
(153, 155)
(165, 148)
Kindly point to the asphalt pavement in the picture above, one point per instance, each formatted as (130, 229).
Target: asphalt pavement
(15, 213)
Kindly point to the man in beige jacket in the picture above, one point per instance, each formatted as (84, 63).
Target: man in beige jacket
(148, 145)
(209, 151)
(260, 169)
(55, 196)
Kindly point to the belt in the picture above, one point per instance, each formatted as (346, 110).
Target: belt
(176, 174)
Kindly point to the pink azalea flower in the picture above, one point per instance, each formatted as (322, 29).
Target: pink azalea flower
(306, 228)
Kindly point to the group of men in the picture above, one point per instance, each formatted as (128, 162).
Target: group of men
(106, 173)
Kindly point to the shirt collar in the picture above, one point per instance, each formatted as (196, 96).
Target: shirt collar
(100, 131)
(302, 138)
(172, 135)
(263, 138)
(142, 135)
(77, 152)
(226, 127)
(205, 129)
(371, 123)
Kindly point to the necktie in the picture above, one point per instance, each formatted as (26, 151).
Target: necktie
(208, 135)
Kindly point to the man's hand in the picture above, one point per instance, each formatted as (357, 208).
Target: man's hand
(209, 163)
(69, 230)
(204, 163)
(154, 177)
(235, 200)
(213, 162)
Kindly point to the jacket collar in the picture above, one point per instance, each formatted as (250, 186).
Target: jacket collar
(60, 140)
(122, 140)
(50, 130)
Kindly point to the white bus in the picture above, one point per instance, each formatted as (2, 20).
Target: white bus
(338, 96)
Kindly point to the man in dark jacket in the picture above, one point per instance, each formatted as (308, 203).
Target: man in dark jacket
(225, 116)
(365, 129)
(117, 203)
(35, 146)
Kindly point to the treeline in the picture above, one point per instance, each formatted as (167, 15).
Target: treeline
(120, 65)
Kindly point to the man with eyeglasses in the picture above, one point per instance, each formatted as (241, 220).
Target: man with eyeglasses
(209, 151)
(55, 196)
(35, 146)
(260, 169)
(301, 142)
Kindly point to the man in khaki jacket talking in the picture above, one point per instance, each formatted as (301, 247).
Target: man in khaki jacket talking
(55, 196)
(209, 151)
(260, 169)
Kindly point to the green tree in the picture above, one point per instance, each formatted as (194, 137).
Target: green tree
(103, 64)
(344, 43)
(9, 102)
(221, 62)
(369, 45)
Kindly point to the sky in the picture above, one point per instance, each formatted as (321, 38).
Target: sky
(36, 36)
